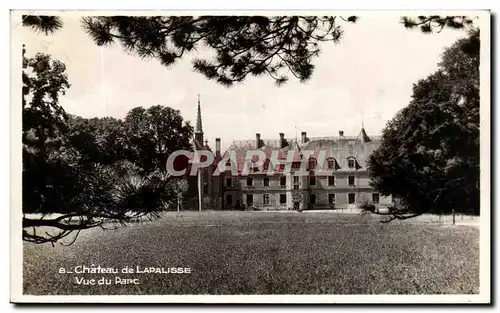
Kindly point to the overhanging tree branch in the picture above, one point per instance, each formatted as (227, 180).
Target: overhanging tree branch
(244, 45)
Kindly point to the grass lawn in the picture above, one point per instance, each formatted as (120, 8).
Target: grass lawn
(266, 253)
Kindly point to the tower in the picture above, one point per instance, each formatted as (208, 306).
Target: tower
(198, 132)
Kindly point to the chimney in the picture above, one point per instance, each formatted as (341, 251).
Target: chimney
(282, 140)
(257, 140)
(217, 147)
(303, 137)
(341, 133)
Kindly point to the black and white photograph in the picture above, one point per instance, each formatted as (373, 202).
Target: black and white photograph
(291, 157)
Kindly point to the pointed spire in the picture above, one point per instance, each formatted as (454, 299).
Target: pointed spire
(199, 128)
(198, 132)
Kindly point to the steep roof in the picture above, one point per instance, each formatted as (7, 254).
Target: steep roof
(197, 146)
(363, 136)
(341, 148)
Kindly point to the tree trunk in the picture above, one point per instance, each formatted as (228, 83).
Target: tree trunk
(453, 213)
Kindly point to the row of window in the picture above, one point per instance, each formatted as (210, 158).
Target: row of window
(351, 181)
(351, 198)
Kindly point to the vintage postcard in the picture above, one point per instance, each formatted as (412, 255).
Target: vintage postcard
(262, 157)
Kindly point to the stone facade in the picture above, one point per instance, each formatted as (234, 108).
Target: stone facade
(341, 182)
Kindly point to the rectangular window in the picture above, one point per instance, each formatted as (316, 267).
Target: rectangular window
(283, 181)
(352, 198)
(312, 198)
(351, 180)
(375, 198)
(249, 200)
(331, 198)
(266, 198)
(295, 187)
(312, 181)
(331, 164)
(283, 198)
(249, 181)
(295, 179)
(266, 181)
(229, 182)
(331, 180)
(296, 165)
(351, 163)
(229, 199)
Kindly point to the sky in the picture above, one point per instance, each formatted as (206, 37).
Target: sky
(366, 77)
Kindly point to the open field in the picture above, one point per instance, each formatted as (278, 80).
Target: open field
(267, 253)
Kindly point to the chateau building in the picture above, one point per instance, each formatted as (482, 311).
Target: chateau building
(313, 173)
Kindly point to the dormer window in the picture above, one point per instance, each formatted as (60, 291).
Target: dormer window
(351, 162)
(281, 165)
(331, 164)
(312, 164)
(266, 164)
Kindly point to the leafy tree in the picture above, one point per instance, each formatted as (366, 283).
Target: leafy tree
(154, 133)
(44, 81)
(429, 155)
(75, 171)
(145, 137)
(99, 140)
